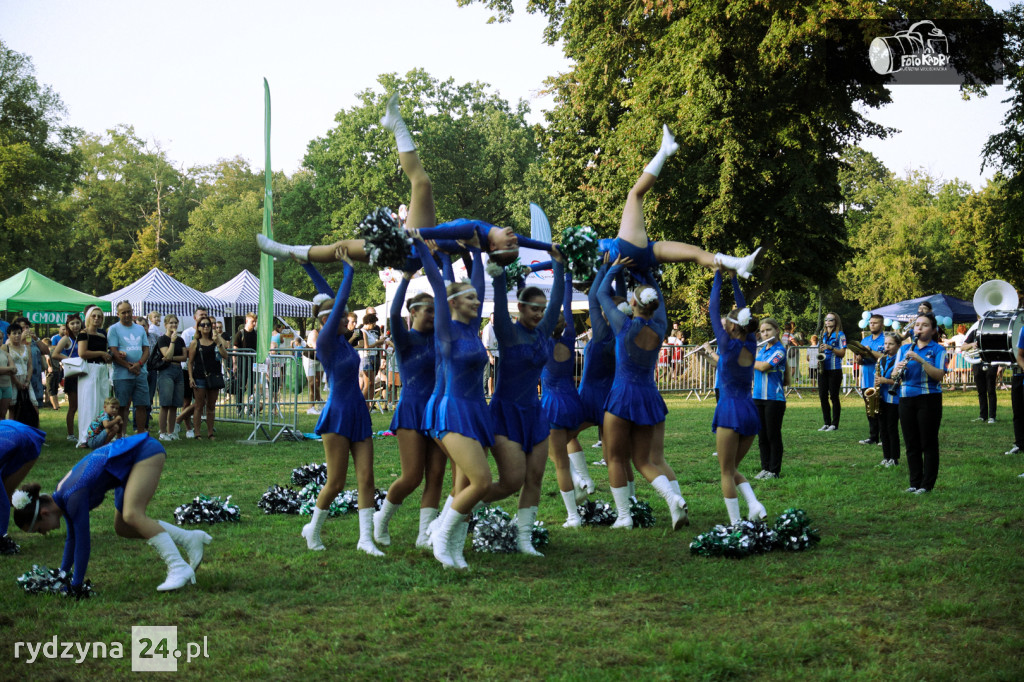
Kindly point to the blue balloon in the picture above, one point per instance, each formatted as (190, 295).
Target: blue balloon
(863, 324)
(865, 315)
(888, 322)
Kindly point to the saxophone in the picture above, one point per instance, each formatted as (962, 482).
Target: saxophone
(871, 395)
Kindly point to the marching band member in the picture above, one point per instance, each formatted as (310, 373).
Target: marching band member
(889, 405)
(770, 397)
(131, 467)
(1017, 396)
(736, 422)
(868, 366)
(922, 365)
(986, 379)
(830, 370)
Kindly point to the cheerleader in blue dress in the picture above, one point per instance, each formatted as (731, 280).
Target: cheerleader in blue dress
(563, 408)
(344, 424)
(414, 349)
(736, 422)
(632, 242)
(597, 376)
(635, 408)
(520, 437)
(131, 467)
(19, 449)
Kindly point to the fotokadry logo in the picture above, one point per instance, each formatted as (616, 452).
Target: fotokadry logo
(922, 47)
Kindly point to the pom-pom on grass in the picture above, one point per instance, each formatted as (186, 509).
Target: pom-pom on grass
(387, 244)
(310, 473)
(43, 580)
(8, 545)
(596, 513)
(278, 500)
(791, 531)
(579, 246)
(493, 531)
(643, 515)
(206, 509)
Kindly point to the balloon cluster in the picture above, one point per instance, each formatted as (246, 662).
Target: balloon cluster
(791, 531)
(43, 580)
(206, 509)
(943, 321)
(579, 246)
(387, 244)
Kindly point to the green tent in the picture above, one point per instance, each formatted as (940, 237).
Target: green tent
(36, 295)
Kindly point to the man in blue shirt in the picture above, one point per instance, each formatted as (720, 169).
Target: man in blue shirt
(128, 343)
(875, 342)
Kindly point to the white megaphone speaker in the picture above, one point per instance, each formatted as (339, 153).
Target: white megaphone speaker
(995, 294)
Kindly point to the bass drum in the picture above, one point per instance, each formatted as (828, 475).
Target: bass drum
(998, 334)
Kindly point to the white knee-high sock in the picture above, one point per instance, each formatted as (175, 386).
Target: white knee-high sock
(572, 514)
(624, 518)
(668, 148)
(427, 514)
(733, 506)
(755, 510)
(392, 120)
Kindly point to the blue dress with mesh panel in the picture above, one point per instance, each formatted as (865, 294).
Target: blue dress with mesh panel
(83, 489)
(515, 407)
(562, 405)
(735, 409)
(634, 394)
(461, 407)
(345, 413)
(19, 445)
(415, 353)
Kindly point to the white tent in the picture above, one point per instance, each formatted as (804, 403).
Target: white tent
(243, 293)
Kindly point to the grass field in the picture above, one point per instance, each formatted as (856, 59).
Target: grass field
(901, 586)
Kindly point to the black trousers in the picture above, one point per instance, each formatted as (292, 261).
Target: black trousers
(829, 382)
(769, 439)
(920, 418)
(985, 379)
(1017, 405)
(889, 430)
(873, 421)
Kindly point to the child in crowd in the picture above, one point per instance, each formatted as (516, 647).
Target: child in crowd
(107, 426)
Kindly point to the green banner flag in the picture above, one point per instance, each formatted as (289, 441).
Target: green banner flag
(265, 323)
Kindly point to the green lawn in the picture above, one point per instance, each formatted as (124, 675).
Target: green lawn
(901, 586)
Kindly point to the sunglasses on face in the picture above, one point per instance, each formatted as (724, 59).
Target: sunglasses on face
(206, 325)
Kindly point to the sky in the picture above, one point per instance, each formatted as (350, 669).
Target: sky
(189, 75)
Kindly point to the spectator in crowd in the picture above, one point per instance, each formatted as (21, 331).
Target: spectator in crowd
(7, 372)
(129, 346)
(21, 356)
(66, 348)
(245, 340)
(490, 341)
(198, 314)
(205, 371)
(170, 353)
(812, 360)
(153, 324)
(56, 375)
(94, 384)
(311, 364)
(40, 355)
(372, 340)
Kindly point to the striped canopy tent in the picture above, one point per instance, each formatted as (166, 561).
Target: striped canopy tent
(156, 290)
(243, 292)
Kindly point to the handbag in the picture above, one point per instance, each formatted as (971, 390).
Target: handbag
(213, 381)
(73, 367)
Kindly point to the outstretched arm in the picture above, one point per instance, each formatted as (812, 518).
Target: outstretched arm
(616, 318)
(330, 338)
(741, 301)
(569, 335)
(715, 311)
(442, 314)
(502, 322)
(477, 278)
(597, 321)
(554, 307)
(397, 324)
(319, 283)
(528, 243)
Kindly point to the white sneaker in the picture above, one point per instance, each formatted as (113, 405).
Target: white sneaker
(165, 436)
(824, 428)
(991, 420)
(768, 476)
(190, 434)
(760, 474)
(312, 410)
(73, 439)
(596, 445)
(831, 427)
(1012, 451)
(600, 463)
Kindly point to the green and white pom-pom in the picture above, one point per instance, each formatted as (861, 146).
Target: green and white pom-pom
(387, 244)
(493, 531)
(643, 515)
(311, 472)
(579, 246)
(516, 271)
(794, 531)
(346, 502)
(207, 509)
(596, 513)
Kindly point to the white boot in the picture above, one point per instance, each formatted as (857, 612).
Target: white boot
(457, 546)
(524, 520)
(743, 266)
(572, 514)
(311, 531)
(621, 497)
(380, 523)
(427, 514)
(441, 539)
(392, 120)
(436, 523)
(194, 541)
(178, 572)
(579, 489)
(668, 148)
(755, 510)
(365, 543)
(676, 504)
(579, 463)
(283, 251)
(732, 505)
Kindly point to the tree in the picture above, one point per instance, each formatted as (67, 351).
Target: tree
(39, 163)
(476, 147)
(987, 240)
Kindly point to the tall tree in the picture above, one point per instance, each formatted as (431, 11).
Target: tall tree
(39, 162)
